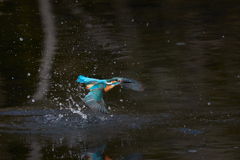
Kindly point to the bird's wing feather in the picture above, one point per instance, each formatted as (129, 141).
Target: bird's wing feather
(90, 82)
(99, 86)
(94, 98)
(83, 79)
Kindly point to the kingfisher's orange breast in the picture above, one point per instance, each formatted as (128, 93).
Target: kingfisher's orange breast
(108, 88)
(89, 86)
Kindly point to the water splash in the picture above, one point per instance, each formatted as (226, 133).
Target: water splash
(72, 103)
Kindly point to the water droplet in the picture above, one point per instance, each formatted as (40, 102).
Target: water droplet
(29, 74)
(28, 96)
(61, 140)
(21, 39)
(209, 103)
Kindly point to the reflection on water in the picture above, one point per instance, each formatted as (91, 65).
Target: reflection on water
(98, 153)
(67, 129)
(185, 54)
(65, 134)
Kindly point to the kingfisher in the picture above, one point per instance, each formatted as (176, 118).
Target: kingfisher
(94, 98)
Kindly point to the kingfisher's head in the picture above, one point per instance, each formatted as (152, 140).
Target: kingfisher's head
(114, 81)
(117, 80)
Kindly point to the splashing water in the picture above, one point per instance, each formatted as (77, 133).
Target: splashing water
(72, 105)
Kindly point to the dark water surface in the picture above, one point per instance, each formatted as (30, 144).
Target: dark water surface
(187, 55)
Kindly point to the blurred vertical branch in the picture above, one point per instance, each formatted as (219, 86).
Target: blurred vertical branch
(48, 50)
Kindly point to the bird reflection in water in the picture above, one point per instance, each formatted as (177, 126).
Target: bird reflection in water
(98, 154)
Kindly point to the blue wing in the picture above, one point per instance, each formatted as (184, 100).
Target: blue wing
(90, 81)
(94, 98)
(99, 86)
(83, 79)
